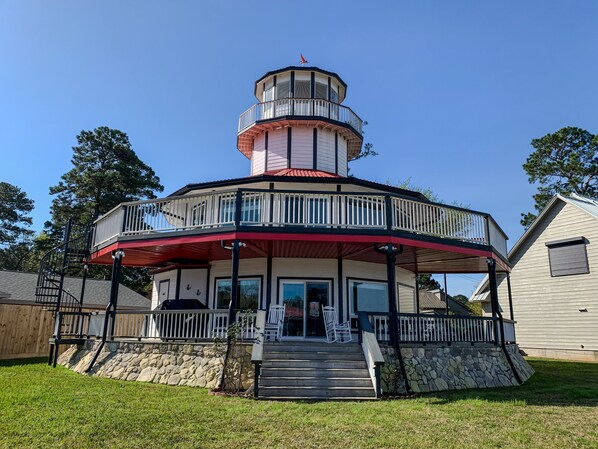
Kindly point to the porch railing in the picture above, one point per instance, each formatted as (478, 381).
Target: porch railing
(302, 107)
(72, 325)
(265, 208)
(423, 328)
(169, 325)
(509, 327)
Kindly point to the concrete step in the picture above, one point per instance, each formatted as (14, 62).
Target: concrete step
(291, 382)
(317, 392)
(271, 372)
(314, 364)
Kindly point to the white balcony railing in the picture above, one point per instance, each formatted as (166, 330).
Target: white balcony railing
(170, 325)
(318, 210)
(302, 107)
(422, 328)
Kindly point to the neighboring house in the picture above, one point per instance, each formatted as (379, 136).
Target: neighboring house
(26, 326)
(554, 281)
(299, 232)
(434, 301)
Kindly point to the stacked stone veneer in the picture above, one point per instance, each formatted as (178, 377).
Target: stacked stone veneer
(195, 365)
(429, 368)
(437, 368)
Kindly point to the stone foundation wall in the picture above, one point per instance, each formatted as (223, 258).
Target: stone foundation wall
(195, 365)
(437, 368)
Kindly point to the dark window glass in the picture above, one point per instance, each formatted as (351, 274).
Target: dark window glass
(249, 293)
(302, 89)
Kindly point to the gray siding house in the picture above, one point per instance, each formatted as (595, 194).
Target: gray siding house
(554, 282)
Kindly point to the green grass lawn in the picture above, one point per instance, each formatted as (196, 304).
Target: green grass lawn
(45, 407)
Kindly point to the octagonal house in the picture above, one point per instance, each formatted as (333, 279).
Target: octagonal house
(301, 234)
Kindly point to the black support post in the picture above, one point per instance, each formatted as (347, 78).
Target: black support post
(493, 297)
(391, 258)
(511, 314)
(112, 303)
(499, 327)
(391, 252)
(234, 289)
(268, 282)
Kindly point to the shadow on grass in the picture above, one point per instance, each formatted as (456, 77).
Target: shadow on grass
(556, 382)
(20, 362)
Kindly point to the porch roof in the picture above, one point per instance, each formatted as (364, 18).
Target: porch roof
(424, 256)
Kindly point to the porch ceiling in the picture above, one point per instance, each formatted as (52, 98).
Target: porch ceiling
(423, 257)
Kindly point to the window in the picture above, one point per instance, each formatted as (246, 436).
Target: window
(368, 296)
(249, 293)
(333, 96)
(567, 257)
(322, 91)
(283, 90)
(269, 94)
(302, 89)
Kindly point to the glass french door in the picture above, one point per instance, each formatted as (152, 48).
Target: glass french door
(303, 302)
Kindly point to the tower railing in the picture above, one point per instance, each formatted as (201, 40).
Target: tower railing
(299, 107)
(297, 209)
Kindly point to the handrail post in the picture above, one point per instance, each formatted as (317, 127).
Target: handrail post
(238, 206)
(389, 214)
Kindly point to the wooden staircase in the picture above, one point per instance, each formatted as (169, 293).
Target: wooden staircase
(314, 371)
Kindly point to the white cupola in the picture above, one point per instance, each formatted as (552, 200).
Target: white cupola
(300, 123)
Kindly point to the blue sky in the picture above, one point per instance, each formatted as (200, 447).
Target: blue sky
(453, 91)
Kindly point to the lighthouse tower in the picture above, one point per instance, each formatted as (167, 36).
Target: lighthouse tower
(300, 124)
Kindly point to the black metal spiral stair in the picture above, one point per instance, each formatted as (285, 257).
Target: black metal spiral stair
(68, 258)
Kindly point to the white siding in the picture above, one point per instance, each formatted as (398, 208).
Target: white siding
(193, 284)
(277, 149)
(302, 148)
(305, 269)
(342, 156)
(258, 157)
(547, 309)
(326, 156)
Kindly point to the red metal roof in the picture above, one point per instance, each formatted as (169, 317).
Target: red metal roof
(301, 172)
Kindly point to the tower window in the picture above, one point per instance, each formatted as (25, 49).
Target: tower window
(283, 89)
(322, 91)
(302, 89)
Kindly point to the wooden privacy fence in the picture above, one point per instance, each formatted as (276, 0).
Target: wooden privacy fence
(24, 331)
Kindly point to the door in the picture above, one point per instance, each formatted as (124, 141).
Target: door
(303, 302)
(163, 288)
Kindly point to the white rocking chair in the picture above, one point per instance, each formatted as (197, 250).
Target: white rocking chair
(273, 327)
(335, 332)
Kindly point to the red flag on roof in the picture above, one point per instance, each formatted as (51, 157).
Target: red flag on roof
(303, 60)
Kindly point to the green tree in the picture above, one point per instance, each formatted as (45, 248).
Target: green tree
(15, 208)
(15, 235)
(106, 171)
(426, 282)
(563, 162)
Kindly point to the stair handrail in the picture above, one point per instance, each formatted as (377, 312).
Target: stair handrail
(371, 350)
(54, 263)
(257, 350)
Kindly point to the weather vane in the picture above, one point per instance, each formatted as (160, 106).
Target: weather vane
(303, 60)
